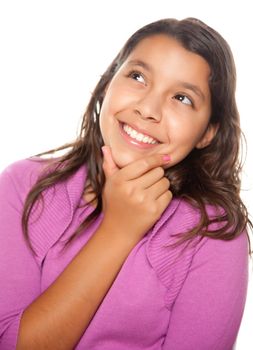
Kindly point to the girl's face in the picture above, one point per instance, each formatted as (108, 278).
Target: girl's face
(157, 102)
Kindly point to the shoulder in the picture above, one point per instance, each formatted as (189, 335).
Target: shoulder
(22, 174)
(50, 216)
(183, 216)
(180, 216)
(17, 179)
(25, 166)
(173, 264)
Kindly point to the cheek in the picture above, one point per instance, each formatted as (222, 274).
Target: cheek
(183, 138)
(107, 118)
(108, 108)
(187, 131)
(117, 100)
(119, 96)
(104, 124)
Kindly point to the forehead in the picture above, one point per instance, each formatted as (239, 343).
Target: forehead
(167, 57)
(161, 45)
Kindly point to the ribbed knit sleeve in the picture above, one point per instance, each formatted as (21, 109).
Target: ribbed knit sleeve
(20, 269)
(19, 272)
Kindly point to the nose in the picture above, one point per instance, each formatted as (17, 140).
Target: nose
(149, 107)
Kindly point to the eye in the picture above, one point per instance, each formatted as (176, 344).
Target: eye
(135, 75)
(184, 99)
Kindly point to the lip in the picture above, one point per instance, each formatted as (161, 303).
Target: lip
(134, 142)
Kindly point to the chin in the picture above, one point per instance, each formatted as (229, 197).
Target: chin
(122, 160)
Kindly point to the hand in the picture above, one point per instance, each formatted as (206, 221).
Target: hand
(136, 195)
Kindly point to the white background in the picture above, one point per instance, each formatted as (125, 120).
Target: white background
(53, 52)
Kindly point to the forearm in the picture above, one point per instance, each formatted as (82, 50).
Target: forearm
(58, 318)
(134, 198)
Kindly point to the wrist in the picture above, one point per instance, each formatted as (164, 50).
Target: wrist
(118, 234)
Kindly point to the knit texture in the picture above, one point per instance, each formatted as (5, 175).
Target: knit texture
(163, 297)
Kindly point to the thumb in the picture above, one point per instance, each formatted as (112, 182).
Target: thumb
(109, 165)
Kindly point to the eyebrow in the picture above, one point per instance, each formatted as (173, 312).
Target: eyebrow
(189, 86)
(194, 88)
(140, 63)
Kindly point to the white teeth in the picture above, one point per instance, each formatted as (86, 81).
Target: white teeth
(138, 136)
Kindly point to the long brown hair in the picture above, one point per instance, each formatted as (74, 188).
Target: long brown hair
(206, 176)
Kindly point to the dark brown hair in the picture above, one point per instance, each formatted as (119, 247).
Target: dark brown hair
(206, 176)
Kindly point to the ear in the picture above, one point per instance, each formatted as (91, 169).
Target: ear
(208, 136)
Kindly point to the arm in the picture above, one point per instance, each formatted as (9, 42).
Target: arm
(55, 320)
(82, 286)
(19, 273)
(59, 317)
(209, 308)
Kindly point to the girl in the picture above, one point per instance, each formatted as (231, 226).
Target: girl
(136, 237)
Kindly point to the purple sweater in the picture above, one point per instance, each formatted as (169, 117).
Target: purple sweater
(159, 300)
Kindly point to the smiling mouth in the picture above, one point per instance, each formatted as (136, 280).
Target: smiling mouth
(137, 136)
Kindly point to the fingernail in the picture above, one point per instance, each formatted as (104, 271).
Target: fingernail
(166, 158)
(103, 150)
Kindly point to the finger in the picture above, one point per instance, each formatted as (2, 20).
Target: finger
(164, 200)
(150, 177)
(141, 166)
(109, 165)
(159, 188)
